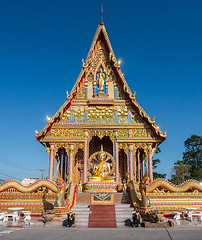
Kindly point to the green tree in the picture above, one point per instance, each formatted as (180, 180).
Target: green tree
(180, 173)
(191, 164)
(193, 156)
(155, 165)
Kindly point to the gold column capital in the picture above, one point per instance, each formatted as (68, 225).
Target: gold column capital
(149, 147)
(71, 147)
(86, 133)
(52, 145)
(115, 134)
(48, 150)
(130, 145)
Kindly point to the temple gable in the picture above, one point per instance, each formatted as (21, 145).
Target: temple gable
(101, 120)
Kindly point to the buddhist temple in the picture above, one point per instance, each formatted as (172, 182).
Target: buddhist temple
(101, 135)
(100, 145)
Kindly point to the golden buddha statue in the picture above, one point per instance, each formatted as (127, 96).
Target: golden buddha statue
(100, 80)
(101, 169)
(101, 166)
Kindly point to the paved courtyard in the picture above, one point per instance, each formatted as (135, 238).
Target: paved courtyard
(53, 231)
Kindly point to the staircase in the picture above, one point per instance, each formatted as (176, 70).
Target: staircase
(102, 216)
(124, 214)
(81, 214)
(99, 216)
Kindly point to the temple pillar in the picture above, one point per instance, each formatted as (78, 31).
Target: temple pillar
(134, 163)
(150, 164)
(71, 161)
(131, 162)
(63, 164)
(85, 161)
(138, 165)
(51, 151)
(116, 154)
(142, 165)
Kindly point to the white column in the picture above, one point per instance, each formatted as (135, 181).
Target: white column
(138, 164)
(150, 163)
(71, 161)
(85, 162)
(51, 161)
(116, 155)
(131, 173)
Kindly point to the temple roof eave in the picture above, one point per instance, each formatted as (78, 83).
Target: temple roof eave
(126, 89)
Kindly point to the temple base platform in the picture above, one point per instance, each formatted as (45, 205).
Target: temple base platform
(101, 186)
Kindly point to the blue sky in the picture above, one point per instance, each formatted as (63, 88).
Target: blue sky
(42, 44)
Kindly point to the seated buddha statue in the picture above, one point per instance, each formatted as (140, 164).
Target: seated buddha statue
(101, 169)
(101, 166)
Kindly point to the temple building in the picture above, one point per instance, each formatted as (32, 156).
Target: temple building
(101, 133)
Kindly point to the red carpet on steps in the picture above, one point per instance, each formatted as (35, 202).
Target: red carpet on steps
(102, 216)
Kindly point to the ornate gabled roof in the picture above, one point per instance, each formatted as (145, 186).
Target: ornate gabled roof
(101, 35)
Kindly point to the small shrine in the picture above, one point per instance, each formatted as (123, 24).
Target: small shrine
(101, 136)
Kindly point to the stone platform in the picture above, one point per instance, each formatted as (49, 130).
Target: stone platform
(101, 186)
(85, 198)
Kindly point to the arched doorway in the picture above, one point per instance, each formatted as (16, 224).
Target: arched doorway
(107, 144)
(63, 166)
(140, 164)
(96, 143)
(78, 166)
(123, 165)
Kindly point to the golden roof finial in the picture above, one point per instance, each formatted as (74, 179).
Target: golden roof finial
(101, 20)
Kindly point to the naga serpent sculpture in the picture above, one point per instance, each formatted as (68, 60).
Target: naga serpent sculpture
(142, 207)
(61, 188)
(64, 188)
(184, 187)
(23, 189)
(143, 185)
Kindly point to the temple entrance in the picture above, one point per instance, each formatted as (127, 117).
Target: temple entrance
(62, 156)
(140, 164)
(78, 167)
(96, 143)
(123, 165)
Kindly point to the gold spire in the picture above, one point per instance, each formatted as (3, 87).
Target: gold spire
(101, 20)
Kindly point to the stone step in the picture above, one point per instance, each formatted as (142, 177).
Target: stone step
(86, 217)
(102, 208)
(123, 205)
(81, 214)
(80, 211)
(81, 220)
(81, 206)
(102, 225)
(97, 219)
(123, 214)
(102, 215)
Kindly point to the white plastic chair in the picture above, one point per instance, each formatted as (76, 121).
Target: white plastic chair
(15, 217)
(177, 216)
(27, 217)
(2, 215)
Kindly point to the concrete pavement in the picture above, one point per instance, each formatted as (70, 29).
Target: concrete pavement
(53, 232)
